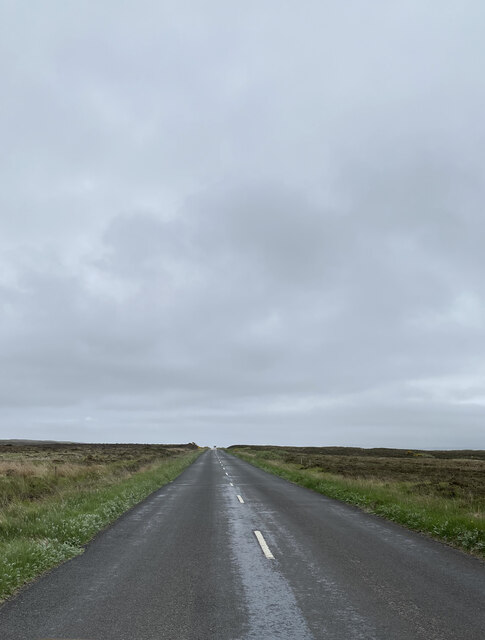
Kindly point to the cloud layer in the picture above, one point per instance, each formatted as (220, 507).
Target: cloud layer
(252, 224)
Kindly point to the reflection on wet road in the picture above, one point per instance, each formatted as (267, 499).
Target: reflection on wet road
(228, 551)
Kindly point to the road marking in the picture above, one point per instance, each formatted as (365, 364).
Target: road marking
(263, 545)
(227, 473)
(231, 484)
(240, 499)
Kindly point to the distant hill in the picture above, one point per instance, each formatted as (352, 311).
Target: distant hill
(20, 441)
(375, 452)
(23, 442)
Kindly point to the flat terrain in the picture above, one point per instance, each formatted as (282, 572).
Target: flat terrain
(54, 497)
(33, 470)
(441, 493)
(186, 564)
(454, 474)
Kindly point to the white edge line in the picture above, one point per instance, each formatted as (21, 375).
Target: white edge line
(240, 499)
(263, 545)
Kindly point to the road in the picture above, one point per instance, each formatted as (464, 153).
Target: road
(185, 564)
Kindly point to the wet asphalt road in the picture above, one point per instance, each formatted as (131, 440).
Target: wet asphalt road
(186, 564)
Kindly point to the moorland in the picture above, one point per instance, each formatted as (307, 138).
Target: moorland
(54, 497)
(439, 493)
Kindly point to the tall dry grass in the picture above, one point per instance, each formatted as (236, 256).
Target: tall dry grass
(48, 510)
(27, 480)
(29, 469)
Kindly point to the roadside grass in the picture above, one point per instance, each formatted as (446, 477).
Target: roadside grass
(421, 497)
(51, 526)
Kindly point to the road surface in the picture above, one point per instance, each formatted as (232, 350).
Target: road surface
(187, 564)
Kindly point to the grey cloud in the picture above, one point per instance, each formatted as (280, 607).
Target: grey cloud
(243, 224)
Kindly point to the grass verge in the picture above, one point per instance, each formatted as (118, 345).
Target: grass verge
(37, 535)
(456, 522)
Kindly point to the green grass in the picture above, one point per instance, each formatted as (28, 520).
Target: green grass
(38, 534)
(410, 500)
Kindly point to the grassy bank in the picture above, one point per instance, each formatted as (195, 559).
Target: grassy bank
(55, 500)
(441, 494)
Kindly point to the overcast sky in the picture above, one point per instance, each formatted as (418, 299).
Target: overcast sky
(243, 222)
